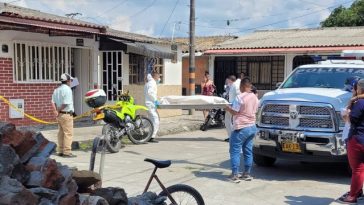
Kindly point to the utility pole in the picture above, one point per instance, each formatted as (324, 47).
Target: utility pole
(192, 52)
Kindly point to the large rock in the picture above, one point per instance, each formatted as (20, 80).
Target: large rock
(26, 144)
(92, 200)
(44, 193)
(44, 172)
(13, 192)
(85, 179)
(52, 177)
(114, 196)
(10, 164)
(148, 198)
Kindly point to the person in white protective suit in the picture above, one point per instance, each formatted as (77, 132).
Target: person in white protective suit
(151, 101)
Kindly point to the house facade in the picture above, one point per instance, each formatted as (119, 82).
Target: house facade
(267, 57)
(36, 48)
(131, 60)
(202, 62)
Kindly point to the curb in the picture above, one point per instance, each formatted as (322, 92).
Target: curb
(180, 129)
(163, 132)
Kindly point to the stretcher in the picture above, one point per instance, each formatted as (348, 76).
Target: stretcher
(193, 102)
(194, 106)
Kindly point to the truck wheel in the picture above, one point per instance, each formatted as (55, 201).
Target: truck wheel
(263, 160)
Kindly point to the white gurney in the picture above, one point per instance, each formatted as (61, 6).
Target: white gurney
(192, 102)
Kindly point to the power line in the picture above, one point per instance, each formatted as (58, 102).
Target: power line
(144, 9)
(270, 24)
(169, 17)
(112, 8)
(296, 17)
(313, 3)
(247, 18)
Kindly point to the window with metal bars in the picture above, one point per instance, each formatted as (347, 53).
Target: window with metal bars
(41, 62)
(137, 68)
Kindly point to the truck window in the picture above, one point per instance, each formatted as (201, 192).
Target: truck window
(321, 77)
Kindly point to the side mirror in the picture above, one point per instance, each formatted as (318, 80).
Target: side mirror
(278, 85)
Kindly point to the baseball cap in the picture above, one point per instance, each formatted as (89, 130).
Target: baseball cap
(66, 77)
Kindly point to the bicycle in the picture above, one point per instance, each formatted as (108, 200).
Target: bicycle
(178, 194)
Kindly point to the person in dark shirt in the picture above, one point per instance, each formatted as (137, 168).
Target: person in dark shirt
(355, 146)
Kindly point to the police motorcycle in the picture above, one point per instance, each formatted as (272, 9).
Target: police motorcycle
(121, 119)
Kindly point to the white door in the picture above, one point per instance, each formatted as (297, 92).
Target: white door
(112, 74)
(83, 72)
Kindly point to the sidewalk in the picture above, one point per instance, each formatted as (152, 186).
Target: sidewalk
(85, 131)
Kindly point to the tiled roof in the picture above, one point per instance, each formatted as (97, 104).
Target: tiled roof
(298, 38)
(25, 13)
(202, 43)
(135, 37)
(21, 15)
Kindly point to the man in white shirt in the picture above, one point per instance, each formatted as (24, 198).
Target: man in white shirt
(151, 101)
(62, 104)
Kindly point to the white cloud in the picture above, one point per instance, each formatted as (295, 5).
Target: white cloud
(147, 31)
(64, 5)
(122, 23)
(260, 14)
(21, 3)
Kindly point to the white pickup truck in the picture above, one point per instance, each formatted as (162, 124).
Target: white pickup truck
(301, 120)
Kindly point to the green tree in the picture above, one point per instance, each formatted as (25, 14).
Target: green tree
(341, 16)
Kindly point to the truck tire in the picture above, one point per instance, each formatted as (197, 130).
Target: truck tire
(263, 161)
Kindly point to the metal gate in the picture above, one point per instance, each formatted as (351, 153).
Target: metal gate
(112, 66)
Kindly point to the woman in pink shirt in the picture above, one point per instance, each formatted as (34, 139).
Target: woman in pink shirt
(243, 109)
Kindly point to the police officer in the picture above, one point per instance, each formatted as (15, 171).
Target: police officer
(62, 103)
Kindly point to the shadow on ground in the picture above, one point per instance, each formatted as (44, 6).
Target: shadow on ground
(301, 200)
(189, 139)
(282, 171)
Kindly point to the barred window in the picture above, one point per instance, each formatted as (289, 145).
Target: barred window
(137, 68)
(41, 62)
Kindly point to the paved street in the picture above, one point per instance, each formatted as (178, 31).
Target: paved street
(201, 160)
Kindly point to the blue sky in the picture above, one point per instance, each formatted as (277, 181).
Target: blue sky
(150, 17)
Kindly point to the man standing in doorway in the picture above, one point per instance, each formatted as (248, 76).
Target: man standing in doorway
(62, 103)
(151, 101)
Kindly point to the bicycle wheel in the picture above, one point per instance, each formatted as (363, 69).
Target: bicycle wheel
(143, 130)
(183, 195)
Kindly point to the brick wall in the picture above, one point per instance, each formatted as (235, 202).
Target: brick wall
(37, 97)
(137, 91)
(202, 65)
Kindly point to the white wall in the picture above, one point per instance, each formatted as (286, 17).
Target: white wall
(212, 65)
(172, 71)
(288, 65)
(8, 37)
(125, 73)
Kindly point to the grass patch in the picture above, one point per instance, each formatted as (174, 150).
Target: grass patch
(86, 145)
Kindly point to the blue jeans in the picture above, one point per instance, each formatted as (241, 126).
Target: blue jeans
(242, 140)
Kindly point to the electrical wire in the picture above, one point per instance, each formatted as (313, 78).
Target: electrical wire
(169, 17)
(142, 10)
(112, 8)
(270, 24)
(296, 17)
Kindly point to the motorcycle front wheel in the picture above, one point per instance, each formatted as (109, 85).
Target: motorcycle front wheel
(112, 141)
(143, 130)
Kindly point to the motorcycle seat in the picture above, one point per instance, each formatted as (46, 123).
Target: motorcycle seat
(159, 164)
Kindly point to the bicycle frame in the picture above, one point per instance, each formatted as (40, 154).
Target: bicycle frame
(154, 176)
